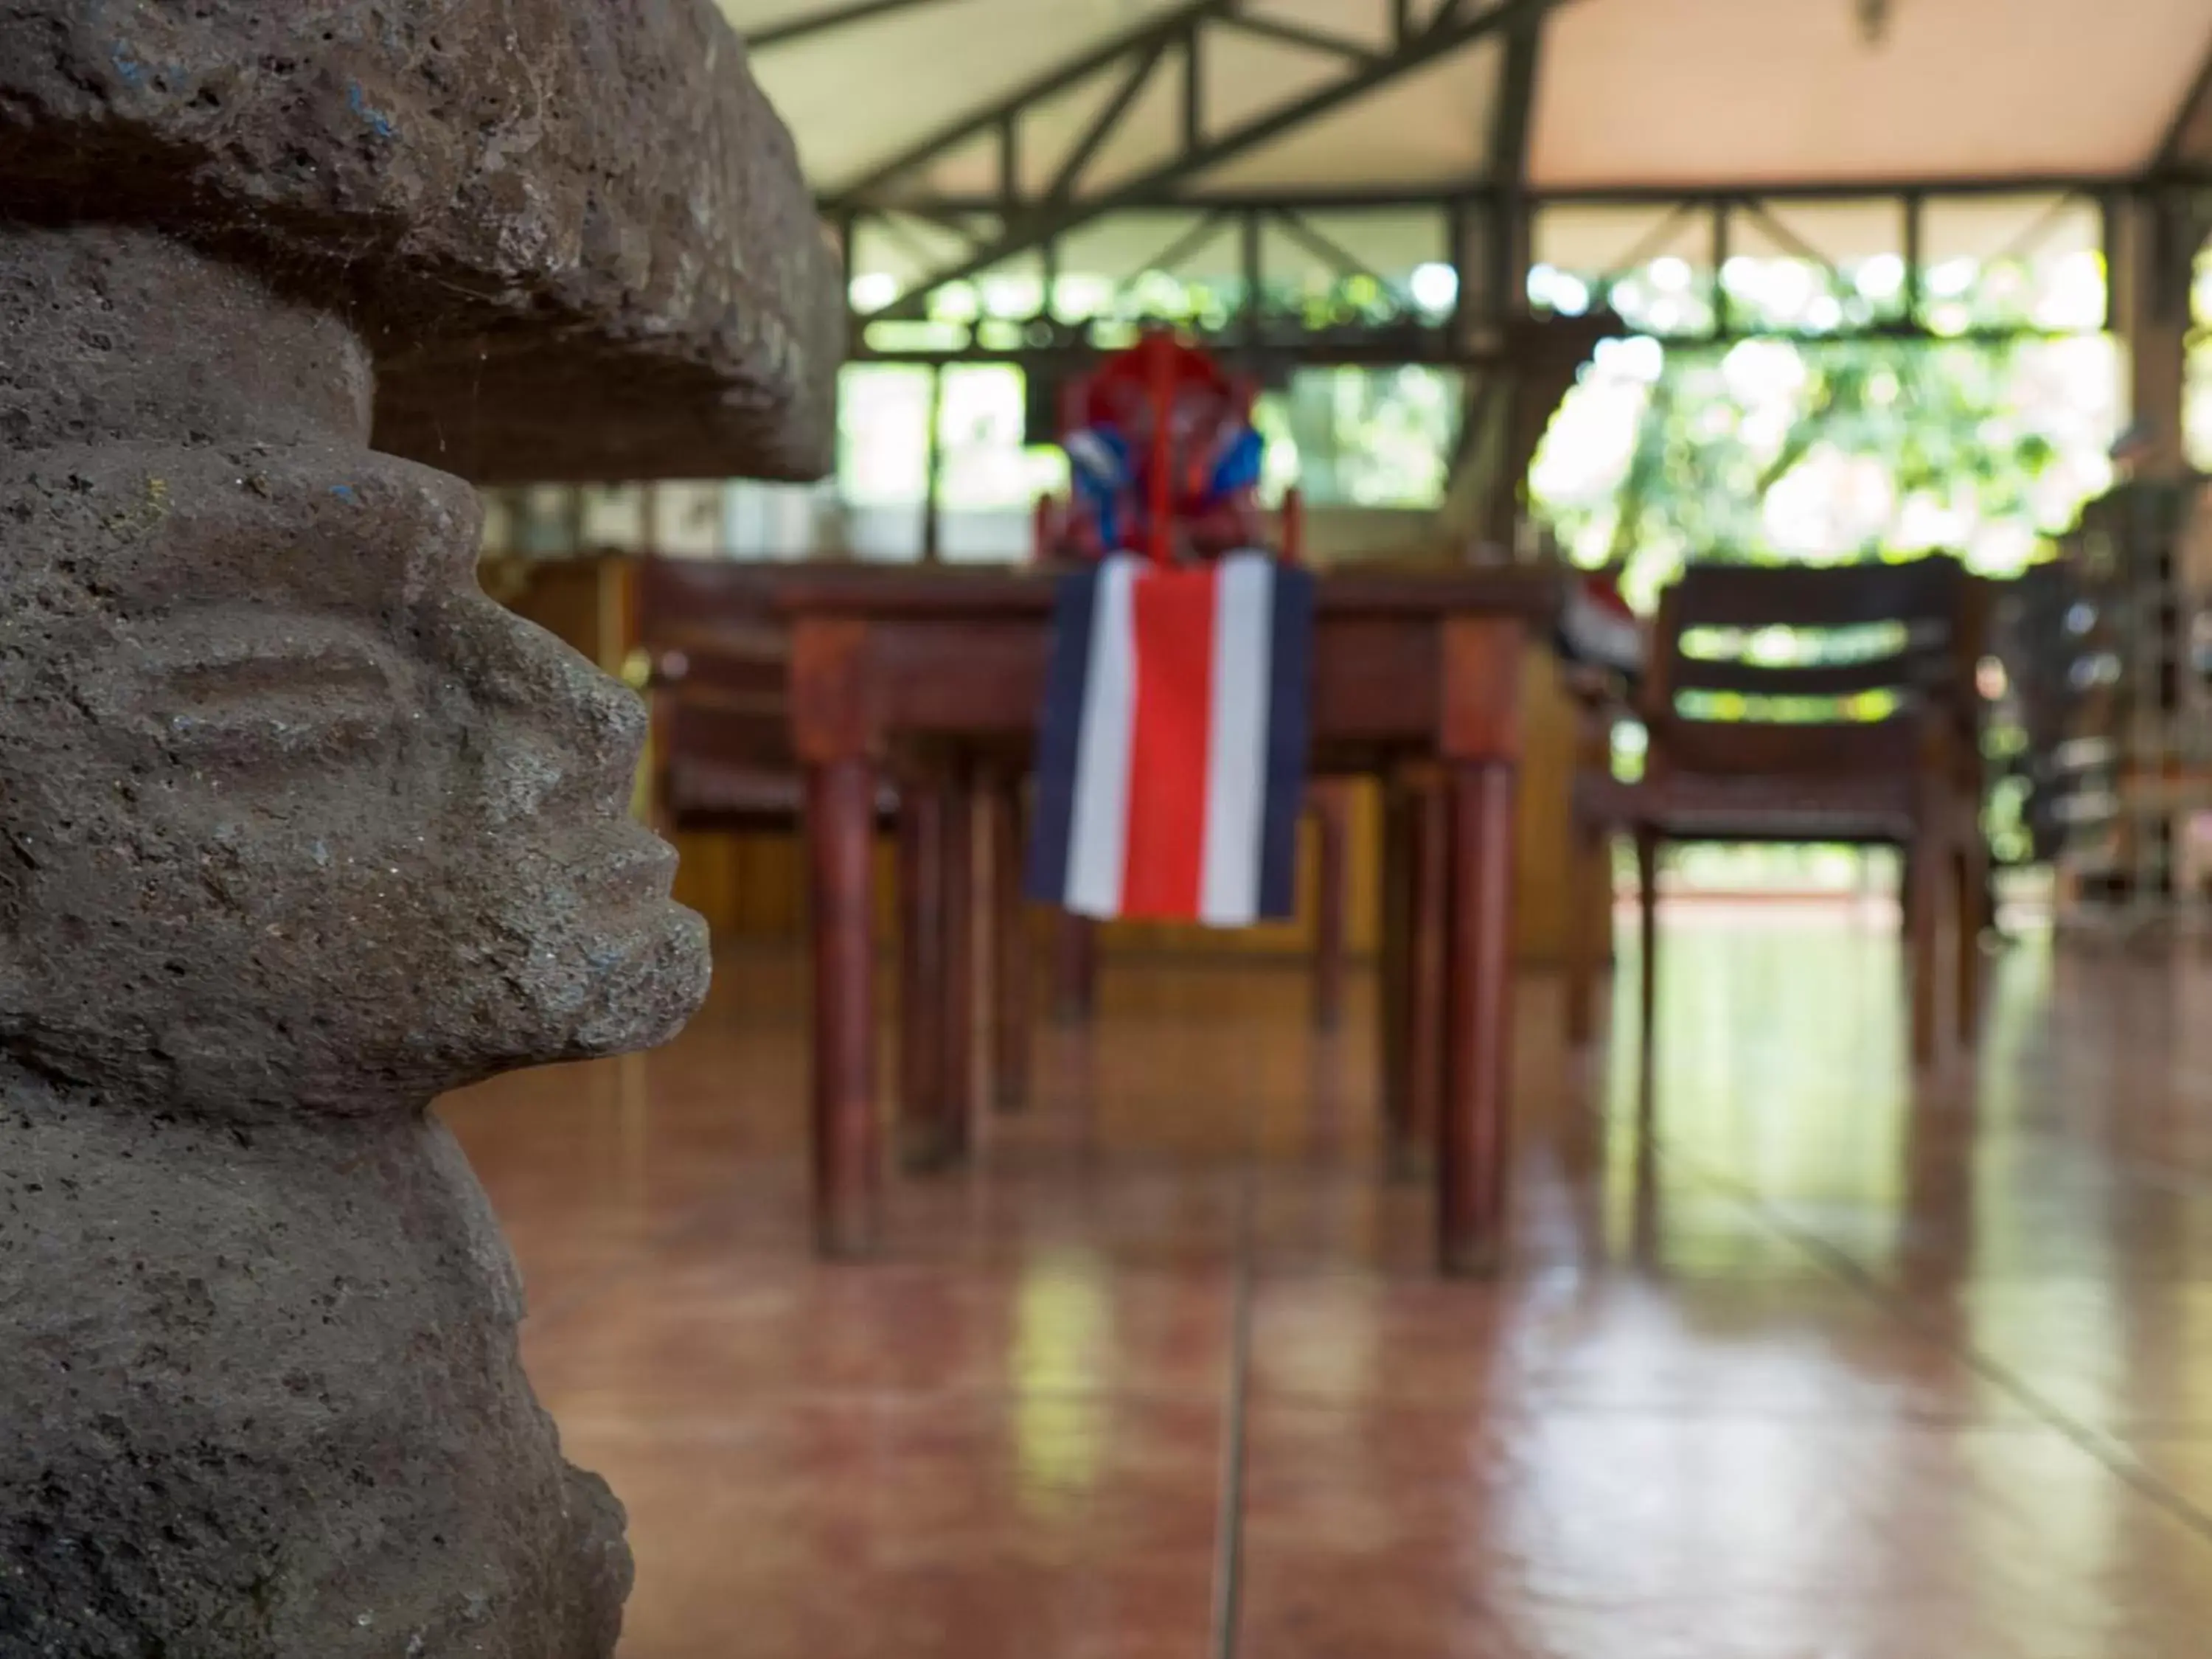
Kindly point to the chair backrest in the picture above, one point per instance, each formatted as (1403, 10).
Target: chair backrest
(1810, 668)
(2048, 633)
(718, 655)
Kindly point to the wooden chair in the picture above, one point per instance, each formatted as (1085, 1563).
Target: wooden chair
(1910, 779)
(2044, 630)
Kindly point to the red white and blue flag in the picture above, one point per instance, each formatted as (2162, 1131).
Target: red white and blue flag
(1172, 762)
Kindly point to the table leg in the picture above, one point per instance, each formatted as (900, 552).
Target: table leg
(1590, 923)
(1972, 895)
(1473, 1172)
(1075, 967)
(936, 1133)
(1010, 948)
(1331, 832)
(840, 832)
(1427, 988)
(921, 963)
(1647, 922)
(1395, 968)
(1926, 872)
(946, 1141)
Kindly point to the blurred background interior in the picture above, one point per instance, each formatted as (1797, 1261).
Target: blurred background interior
(1801, 1347)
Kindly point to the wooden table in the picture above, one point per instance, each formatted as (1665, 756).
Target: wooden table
(1416, 679)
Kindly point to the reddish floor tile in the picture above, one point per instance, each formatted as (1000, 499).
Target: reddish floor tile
(717, 1331)
(933, 1529)
(1785, 1363)
(1378, 1534)
(2119, 1356)
(1738, 1350)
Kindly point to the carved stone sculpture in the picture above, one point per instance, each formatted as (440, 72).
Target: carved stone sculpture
(297, 828)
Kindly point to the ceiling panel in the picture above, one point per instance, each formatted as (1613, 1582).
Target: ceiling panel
(1432, 127)
(1633, 93)
(1246, 75)
(1659, 92)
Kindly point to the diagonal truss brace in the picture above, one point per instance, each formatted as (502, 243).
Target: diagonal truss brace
(1032, 223)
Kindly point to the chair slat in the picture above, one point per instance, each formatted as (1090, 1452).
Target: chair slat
(1817, 596)
(1791, 748)
(1903, 671)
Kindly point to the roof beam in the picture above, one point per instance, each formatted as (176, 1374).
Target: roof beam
(821, 22)
(1512, 121)
(1087, 147)
(1331, 253)
(1329, 197)
(1170, 258)
(1782, 236)
(1154, 184)
(1509, 238)
(1194, 89)
(1933, 187)
(1396, 344)
(1358, 197)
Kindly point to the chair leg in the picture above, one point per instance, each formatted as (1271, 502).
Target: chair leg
(1647, 900)
(921, 965)
(1428, 1034)
(1972, 896)
(1924, 909)
(1009, 947)
(1329, 813)
(959, 989)
(1590, 908)
(1906, 880)
(1395, 963)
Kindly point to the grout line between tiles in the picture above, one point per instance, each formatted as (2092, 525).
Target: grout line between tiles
(2092, 1442)
(1228, 1531)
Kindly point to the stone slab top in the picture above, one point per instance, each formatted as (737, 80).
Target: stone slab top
(573, 231)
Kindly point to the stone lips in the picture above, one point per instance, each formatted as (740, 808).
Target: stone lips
(575, 236)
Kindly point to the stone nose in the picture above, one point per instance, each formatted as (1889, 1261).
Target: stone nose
(566, 733)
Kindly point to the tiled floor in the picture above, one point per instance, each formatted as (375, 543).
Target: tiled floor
(1799, 1359)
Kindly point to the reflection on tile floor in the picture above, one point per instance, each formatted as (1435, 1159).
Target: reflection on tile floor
(1800, 1358)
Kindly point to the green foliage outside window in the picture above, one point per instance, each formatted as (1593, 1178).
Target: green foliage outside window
(1777, 450)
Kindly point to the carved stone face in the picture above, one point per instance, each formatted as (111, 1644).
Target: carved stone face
(317, 821)
(290, 813)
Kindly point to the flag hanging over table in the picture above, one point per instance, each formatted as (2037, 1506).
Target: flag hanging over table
(1172, 762)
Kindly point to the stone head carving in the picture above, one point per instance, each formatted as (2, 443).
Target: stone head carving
(296, 818)
(296, 827)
